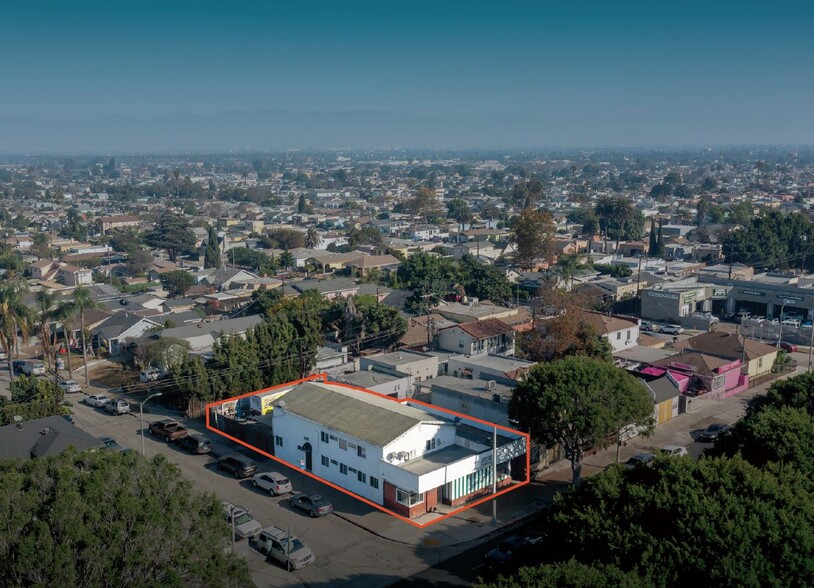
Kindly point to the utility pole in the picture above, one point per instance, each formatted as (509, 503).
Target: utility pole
(803, 262)
(494, 477)
(638, 285)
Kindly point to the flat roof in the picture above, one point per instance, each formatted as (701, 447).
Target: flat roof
(398, 357)
(430, 462)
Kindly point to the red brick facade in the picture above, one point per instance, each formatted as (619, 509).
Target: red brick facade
(430, 501)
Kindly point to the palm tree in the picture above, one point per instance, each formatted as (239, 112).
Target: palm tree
(84, 303)
(702, 208)
(46, 299)
(65, 313)
(312, 238)
(14, 317)
(604, 210)
(622, 210)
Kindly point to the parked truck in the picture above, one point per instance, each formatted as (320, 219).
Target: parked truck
(32, 368)
(168, 429)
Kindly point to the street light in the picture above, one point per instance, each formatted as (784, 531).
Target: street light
(141, 418)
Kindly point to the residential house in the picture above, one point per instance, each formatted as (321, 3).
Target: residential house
(758, 358)
(665, 395)
(108, 223)
(43, 437)
(329, 289)
(481, 399)
(202, 336)
(120, 328)
(622, 333)
(478, 338)
(504, 370)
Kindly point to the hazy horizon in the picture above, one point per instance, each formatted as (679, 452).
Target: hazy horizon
(518, 74)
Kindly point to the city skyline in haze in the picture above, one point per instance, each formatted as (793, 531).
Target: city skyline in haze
(583, 73)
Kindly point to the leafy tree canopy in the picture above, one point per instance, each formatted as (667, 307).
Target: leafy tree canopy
(173, 233)
(91, 518)
(177, 282)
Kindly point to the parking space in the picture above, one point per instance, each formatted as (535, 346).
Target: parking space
(346, 554)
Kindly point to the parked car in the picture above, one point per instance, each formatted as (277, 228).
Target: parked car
(788, 347)
(110, 444)
(68, 418)
(68, 386)
(245, 524)
(807, 324)
(673, 450)
(287, 549)
(196, 444)
(97, 400)
(273, 482)
(32, 368)
(672, 329)
(314, 504)
(168, 429)
(793, 316)
(117, 407)
(794, 323)
(512, 550)
(640, 459)
(241, 467)
(711, 432)
(151, 374)
(652, 327)
(17, 366)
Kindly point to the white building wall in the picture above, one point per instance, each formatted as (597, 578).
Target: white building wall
(624, 339)
(295, 431)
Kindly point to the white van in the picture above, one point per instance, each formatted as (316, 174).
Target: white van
(33, 368)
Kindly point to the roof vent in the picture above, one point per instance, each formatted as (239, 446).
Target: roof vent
(45, 431)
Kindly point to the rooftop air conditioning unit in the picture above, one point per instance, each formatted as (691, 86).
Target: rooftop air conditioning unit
(491, 385)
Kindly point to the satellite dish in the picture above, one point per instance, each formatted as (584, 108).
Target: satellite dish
(18, 418)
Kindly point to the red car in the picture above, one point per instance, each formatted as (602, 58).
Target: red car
(788, 347)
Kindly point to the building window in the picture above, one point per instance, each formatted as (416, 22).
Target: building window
(343, 445)
(374, 482)
(619, 335)
(334, 462)
(324, 437)
(278, 441)
(409, 498)
(361, 452)
(352, 470)
(430, 444)
(361, 477)
(343, 469)
(760, 362)
(325, 461)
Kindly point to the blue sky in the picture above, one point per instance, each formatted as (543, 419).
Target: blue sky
(656, 63)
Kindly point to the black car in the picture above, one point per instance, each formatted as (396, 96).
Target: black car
(196, 444)
(17, 366)
(241, 467)
(513, 550)
(711, 432)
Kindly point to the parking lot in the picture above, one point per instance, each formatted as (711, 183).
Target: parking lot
(346, 555)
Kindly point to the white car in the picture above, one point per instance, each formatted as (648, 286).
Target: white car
(672, 330)
(69, 386)
(673, 450)
(97, 400)
(245, 524)
(274, 483)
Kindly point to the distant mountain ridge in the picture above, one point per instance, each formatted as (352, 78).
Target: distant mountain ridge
(265, 129)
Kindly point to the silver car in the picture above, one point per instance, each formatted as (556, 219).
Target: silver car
(242, 520)
(117, 407)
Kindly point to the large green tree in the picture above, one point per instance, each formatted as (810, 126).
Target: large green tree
(580, 403)
(212, 251)
(533, 237)
(711, 522)
(173, 233)
(177, 282)
(102, 518)
(570, 574)
(31, 398)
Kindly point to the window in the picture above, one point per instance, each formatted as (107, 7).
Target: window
(361, 477)
(361, 452)
(627, 335)
(409, 498)
(334, 462)
(760, 362)
(430, 444)
(278, 441)
(343, 469)
(343, 445)
(352, 470)
(374, 482)
(325, 461)
(618, 335)
(323, 437)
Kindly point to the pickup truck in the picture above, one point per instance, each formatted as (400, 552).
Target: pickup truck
(168, 429)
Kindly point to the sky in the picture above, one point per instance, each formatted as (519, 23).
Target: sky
(714, 66)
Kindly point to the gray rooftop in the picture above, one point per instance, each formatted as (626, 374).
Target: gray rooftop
(437, 459)
(367, 379)
(469, 387)
(497, 362)
(398, 357)
(214, 328)
(43, 437)
(362, 415)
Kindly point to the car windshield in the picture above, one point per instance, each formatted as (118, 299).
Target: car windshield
(242, 519)
(295, 545)
(109, 442)
(282, 480)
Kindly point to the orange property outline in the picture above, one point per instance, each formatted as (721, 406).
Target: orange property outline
(324, 378)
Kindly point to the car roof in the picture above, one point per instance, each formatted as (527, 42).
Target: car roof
(671, 447)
